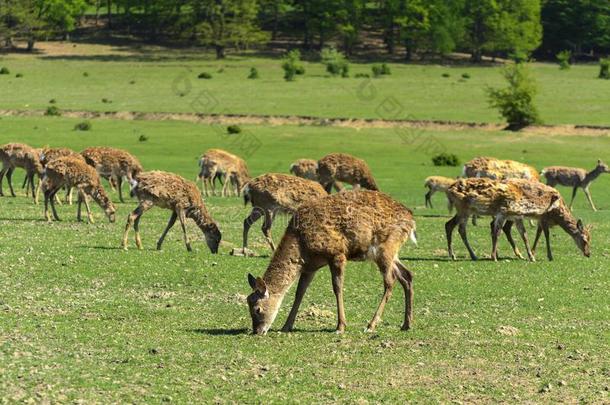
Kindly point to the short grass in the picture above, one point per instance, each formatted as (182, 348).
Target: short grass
(157, 82)
(81, 319)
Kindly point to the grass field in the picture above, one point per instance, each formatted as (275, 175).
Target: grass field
(139, 80)
(81, 319)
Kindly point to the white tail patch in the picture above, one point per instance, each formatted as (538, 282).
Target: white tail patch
(292, 167)
(413, 237)
(133, 183)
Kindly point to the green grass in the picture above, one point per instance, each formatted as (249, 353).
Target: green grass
(156, 82)
(82, 319)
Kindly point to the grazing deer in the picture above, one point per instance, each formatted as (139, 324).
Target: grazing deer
(217, 163)
(574, 177)
(273, 193)
(305, 168)
(330, 231)
(173, 192)
(346, 168)
(113, 165)
(437, 183)
(73, 172)
(511, 201)
(48, 155)
(14, 155)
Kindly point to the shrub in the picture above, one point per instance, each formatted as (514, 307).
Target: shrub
(221, 70)
(446, 159)
(132, 82)
(564, 58)
(204, 75)
(446, 75)
(106, 101)
(385, 70)
(604, 69)
(253, 73)
(465, 75)
(381, 70)
(362, 75)
(376, 69)
(143, 138)
(234, 129)
(19, 75)
(4, 71)
(52, 101)
(335, 61)
(85, 74)
(52, 111)
(292, 65)
(83, 126)
(516, 102)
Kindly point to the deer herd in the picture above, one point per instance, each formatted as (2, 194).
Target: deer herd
(325, 229)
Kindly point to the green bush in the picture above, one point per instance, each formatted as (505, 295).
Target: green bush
(604, 69)
(564, 58)
(465, 75)
(106, 101)
(234, 129)
(85, 74)
(446, 159)
(362, 75)
(83, 126)
(381, 70)
(446, 75)
(143, 138)
(335, 61)
(292, 65)
(52, 101)
(52, 111)
(19, 75)
(376, 69)
(253, 73)
(516, 102)
(204, 75)
(4, 71)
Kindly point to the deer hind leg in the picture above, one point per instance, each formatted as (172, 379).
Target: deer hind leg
(170, 224)
(497, 225)
(83, 197)
(508, 226)
(449, 227)
(429, 199)
(131, 218)
(68, 198)
(267, 223)
(32, 186)
(52, 195)
(47, 195)
(547, 237)
(337, 271)
(389, 278)
(405, 278)
(523, 232)
(2, 173)
(119, 186)
(304, 281)
(588, 195)
(462, 231)
(248, 222)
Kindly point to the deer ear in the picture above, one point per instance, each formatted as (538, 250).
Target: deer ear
(580, 225)
(252, 281)
(261, 287)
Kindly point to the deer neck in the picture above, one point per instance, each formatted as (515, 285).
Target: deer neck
(201, 217)
(566, 221)
(593, 174)
(285, 267)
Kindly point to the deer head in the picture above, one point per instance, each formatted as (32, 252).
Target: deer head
(263, 307)
(210, 229)
(602, 167)
(102, 199)
(583, 238)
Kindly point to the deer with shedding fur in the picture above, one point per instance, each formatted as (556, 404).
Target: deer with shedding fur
(437, 184)
(574, 177)
(508, 202)
(19, 155)
(345, 168)
(73, 172)
(219, 164)
(272, 194)
(331, 231)
(172, 192)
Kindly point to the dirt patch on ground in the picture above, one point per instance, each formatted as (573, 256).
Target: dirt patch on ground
(274, 120)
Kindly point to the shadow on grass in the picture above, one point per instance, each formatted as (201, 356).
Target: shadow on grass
(220, 332)
(113, 248)
(24, 219)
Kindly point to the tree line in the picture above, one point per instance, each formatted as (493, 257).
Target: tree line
(413, 28)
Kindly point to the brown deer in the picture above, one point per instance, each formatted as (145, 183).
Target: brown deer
(173, 192)
(345, 168)
(496, 169)
(219, 164)
(73, 172)
(305, 168)
(330, 231)
(574, 177)
(274, 193)
(113, 165)
(507, 202)
(437, 183)
(14, 155)
(48, 155)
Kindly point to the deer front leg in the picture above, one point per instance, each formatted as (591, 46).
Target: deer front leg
(119, 185)
(405, 278)
(509, 236)
(52, 200)
(389, 277)
(497, 226)
(337, 270)
(182, 218)
(267, 223)
(248, 222)
(523, 233)
(170, 224)
(9, 178)
(588, 195)
(449, 227)
(547, 236)
(47, 194)
(2, 173)
(574, 190)
(33, 186)
(304, 281)
(464, 236)
(87, 207)
(429, 199)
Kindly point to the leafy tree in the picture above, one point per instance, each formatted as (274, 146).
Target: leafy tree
(62, 15)
(516, 28)
(516, 102)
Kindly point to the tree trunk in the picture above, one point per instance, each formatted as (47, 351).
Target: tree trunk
(31, 44)
(476, 56)
(109, 5)
(220, 51)
(276, 18)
